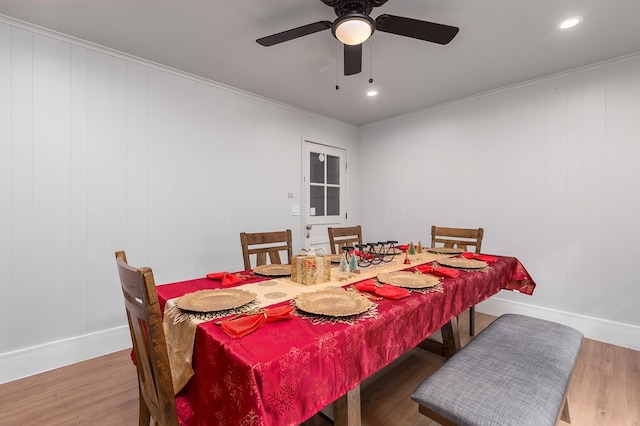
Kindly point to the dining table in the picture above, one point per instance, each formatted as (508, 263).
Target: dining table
(286, 371)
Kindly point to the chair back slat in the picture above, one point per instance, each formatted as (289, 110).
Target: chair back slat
(346, 236)
(460, 238)
(265, 245)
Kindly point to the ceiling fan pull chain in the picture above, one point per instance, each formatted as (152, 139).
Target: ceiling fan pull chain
(370, 62)
(337, 65)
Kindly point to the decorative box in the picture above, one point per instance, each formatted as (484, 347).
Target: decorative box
(309, 270)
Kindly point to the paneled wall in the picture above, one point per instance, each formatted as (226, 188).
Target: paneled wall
(100, 152)
(549, 168)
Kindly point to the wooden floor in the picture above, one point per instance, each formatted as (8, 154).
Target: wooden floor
(103, 391)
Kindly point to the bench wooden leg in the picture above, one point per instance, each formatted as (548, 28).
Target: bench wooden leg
(472, 320)
(346, 409)
(565, 416)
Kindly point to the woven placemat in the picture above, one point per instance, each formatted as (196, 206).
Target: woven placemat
(314, 319)
(333, 303)
(219, 299)
(273, 270)
(408, 279)
(178, 315)
(462, 263)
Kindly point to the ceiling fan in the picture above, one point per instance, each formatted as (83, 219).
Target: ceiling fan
(354, 26)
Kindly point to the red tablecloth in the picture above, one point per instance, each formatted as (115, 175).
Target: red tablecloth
(285, 372)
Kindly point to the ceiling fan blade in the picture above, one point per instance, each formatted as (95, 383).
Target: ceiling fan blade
(414, 28)
(294, 33)
(352, 59)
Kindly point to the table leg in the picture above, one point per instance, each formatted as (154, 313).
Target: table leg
(450, 340)
(346, 409)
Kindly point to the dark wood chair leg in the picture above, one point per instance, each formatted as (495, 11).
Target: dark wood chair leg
(144, 416)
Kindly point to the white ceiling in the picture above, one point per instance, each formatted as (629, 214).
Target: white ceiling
(501, 42)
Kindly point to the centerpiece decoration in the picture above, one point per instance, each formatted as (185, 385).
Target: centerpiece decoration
(311, 267)
(370, 254)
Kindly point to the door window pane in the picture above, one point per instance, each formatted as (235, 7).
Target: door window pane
(316, 202)
(333, 201)
(333, 170)
(316, 166)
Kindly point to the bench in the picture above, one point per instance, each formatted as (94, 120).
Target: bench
(515, 372)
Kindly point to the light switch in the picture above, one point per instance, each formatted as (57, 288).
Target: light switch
(295, 210)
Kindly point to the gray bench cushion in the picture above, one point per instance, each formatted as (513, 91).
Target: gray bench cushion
(513, 373)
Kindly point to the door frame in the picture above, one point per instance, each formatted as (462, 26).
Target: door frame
(304, 194)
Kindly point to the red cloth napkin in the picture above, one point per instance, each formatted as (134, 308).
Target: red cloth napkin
(440, 271)
(216, 275)
(226, 278)
(403, 248)
(483, 257)
(383, 290)
(230, 279)
(242, 326)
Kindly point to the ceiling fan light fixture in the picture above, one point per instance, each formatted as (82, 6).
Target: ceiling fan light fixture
(353, 28)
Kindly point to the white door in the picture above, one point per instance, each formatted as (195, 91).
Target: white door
(324, 173)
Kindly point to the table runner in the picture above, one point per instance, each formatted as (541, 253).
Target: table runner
(278, 290)
(284, 373)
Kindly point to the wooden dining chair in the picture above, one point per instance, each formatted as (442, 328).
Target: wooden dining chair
(347, 236)
(264, 244)
(461, 238)
(155, 386)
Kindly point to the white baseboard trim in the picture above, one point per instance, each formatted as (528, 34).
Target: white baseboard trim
(37, 359)
(616, 333)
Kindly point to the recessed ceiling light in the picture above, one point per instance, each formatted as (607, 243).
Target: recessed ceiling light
(569, 23)
(372, 93)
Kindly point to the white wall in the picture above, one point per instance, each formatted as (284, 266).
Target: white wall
(99, 152)
(549, 168)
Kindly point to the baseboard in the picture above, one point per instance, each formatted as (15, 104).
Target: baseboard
(38, 359)
(619, 334)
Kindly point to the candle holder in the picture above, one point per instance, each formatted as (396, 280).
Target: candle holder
(373, 253)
